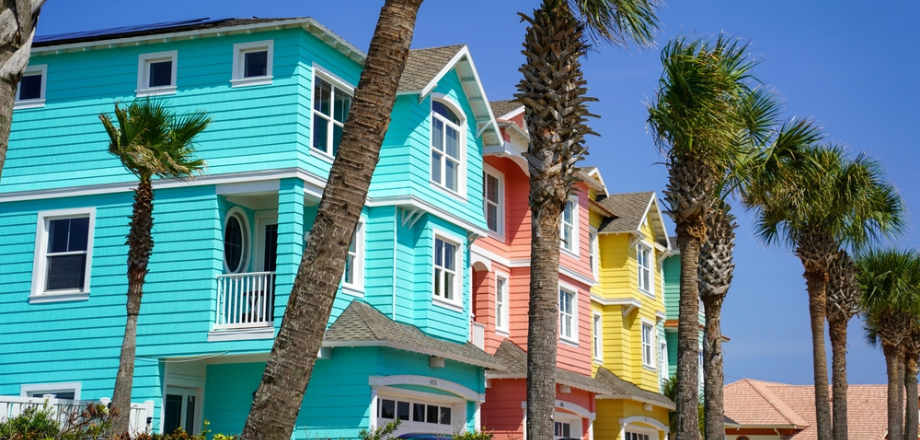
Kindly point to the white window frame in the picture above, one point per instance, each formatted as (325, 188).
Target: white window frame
(457, 409)
(41, 389)
(455, 303)
(593, 243)
(648, 346)
(663, 359)
(239, 49)
(636, 431)
(597, 330)
(573, 337)
(502, 314)
(143, 73)
(357, 287)
(40, 266)
(573, 251)
(247, 239)
(488, 171)
(461, 135)
(336, 82)
(648, 289)
(575, 422)
(42, 70)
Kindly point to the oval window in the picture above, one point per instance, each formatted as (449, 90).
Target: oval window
(234, 243)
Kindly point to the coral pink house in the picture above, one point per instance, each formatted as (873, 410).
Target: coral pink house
(501, 277)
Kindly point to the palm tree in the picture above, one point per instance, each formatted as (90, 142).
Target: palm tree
(911, 358)
(287, 371)
(815, 199)
(553, 93)
(697, 118)
(18, 19)
(890, 283)
(842, 304)
(150, 140)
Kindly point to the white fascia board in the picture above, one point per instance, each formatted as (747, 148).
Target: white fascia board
(512, 113)
(425, 205)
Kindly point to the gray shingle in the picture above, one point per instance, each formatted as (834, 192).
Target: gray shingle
(629, 209)
(361, 323)
(515, 361)
(623, 389)
(500, 108)
(423, 65)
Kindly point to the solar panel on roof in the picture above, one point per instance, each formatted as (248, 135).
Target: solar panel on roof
(123, 30)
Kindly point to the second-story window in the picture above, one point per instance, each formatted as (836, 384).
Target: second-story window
(648, 341)
(252, 63)
(354, 262)
(236, 241)
(492, 199)
(595, 254)
(31, 90)
(156, 73)
(445, 270)
(598, 341)
(643, 254)
(446, 147)
(568, 323)
(568, 232)
(331, 105)
(501, 303)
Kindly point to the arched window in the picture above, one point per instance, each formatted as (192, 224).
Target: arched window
(447, 146)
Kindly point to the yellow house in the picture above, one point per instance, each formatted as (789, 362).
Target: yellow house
(629, 243)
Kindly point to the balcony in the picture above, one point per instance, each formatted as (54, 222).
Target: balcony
(245, 301)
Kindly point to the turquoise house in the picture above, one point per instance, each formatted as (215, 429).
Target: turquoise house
(670, 270)
(228, 243)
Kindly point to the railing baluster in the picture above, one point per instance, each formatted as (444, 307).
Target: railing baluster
(245, 300)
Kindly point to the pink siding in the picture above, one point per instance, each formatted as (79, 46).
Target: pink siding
(503, 413)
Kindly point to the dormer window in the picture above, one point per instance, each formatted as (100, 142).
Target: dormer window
(447, 145)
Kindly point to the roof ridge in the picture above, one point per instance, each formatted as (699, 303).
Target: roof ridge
(365, 311)
(447, 46)
(777, 403)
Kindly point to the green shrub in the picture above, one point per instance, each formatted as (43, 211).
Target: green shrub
(33, 423)
(384, 432)
(481, 434)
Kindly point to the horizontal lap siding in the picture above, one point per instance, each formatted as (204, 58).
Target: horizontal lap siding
(63, 144)
(379, 264)
(580, 264)
(577, 357)
(502, 413)
(430, 317)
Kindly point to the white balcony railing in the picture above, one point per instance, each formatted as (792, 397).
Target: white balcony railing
(478, 335)
(64, 411)
(245, 300)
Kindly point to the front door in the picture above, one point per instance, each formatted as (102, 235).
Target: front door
(179, 410)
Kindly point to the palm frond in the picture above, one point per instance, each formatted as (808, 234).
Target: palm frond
(617, 21)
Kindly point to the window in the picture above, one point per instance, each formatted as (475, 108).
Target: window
(446, 147)
(63, 254)
(636, 436)
(446, 281)
(330, 109)
(598, 342)
(645, 274)
(562, 430)
(501, 303)
(663, 361)
(594, 256)
(493, 201)
(252, 63)
(236, 241)
(404, 410)
(31, 90)
(568, 232)
(156, 73)
(354, 264)
(648, 344)
(61, 390)
(568, 304)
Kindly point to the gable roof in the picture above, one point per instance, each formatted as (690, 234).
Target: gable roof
(514, 364)
(362, 325)
(425, 67)
(501, 109)
(630, 210)
(752, 402)
(620, 388)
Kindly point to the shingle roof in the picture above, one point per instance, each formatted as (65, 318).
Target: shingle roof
(148, 29)
(621, 388)
(500, 108)
(514, 359)
(361, 323)
(629, 208)
(754, 402)
(423, 65)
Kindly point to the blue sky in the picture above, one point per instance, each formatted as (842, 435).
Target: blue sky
(847, 64)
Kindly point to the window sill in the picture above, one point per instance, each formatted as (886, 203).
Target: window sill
(32, 103)
(599, 361)
(160, 91)
(322, 155)
(254, 81)
(572, 254)
(503, 332)
(647, 293)
(649, 368)
(447, 304)
(498, 236)
(353, 290)
(448, 191)
(241, 335)
(58, 297)
(568, 341)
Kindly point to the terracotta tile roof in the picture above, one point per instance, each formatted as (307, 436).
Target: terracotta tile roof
(629, 209)
(423, 65)
(757, 403)
(361, 323)
(514, 361)
(501, 108)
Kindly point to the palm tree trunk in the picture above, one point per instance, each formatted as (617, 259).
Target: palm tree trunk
(287, 372)
(15, 46)
(902, 372)
(894, 387)
(817, 305)
(911, 412)
(838, 333)
(140, 245)
(713, 374)
(688, 340)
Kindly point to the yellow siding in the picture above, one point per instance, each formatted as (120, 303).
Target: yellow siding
(611, 411)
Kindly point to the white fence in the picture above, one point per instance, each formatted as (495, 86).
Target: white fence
(61, 409)
(245, 300)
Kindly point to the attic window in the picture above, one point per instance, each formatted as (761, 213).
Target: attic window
(252, 63)
(156, 73)
(448, 146)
